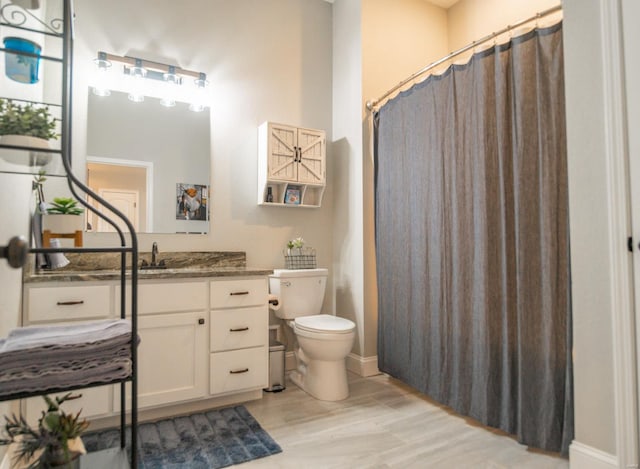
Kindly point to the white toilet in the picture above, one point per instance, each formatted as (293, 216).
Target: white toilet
(323, 340)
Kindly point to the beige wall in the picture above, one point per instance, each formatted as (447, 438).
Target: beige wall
(470, 20)
(399, 37)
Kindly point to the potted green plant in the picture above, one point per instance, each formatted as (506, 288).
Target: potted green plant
(27, 125)
(294, 246)
(54, 442)
(64, 206)
(62, 216)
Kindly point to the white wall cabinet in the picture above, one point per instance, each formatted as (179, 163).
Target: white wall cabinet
(294, 159)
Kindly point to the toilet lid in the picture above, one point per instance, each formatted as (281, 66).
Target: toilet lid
(325, 323)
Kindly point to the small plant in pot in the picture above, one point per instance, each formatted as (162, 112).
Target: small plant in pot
(26, 119)
(54, 442)
(27, 125)
(62, 215)
(64, 206)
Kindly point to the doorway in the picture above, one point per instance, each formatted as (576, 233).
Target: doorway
(120, 180)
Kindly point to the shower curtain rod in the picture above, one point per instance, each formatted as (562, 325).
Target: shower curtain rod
(372, 104)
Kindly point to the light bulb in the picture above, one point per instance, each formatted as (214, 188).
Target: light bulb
(199, 99)
(171, 80)
(137, 73)
(100, 87)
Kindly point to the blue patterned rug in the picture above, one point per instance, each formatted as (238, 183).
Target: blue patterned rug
(209, 440)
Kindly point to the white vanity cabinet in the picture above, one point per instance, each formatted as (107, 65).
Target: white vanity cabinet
(291, 158)
(200, 338)
(239, 334)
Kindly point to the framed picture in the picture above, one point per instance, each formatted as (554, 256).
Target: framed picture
(192, 202)
(292, 195)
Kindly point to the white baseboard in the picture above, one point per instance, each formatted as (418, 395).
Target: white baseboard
(582, 456)
(363, 366)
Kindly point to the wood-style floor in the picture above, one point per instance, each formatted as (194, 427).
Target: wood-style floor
(383, 424)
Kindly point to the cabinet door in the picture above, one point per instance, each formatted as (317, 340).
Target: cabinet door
(172, 358)
(282, 154)
(311, 167)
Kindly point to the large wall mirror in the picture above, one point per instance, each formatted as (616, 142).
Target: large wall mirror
(151, 162)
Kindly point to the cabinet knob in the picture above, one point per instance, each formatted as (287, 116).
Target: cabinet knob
(201, 321)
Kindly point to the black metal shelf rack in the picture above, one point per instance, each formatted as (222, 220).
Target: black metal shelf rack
(17, 250)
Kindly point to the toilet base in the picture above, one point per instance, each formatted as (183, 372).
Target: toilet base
(324, 380)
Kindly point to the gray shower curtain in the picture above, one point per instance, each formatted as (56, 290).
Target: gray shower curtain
(472, 240)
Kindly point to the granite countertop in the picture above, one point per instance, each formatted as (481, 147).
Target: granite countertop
(105, 266)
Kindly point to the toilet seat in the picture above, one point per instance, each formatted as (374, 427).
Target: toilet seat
(324, 324)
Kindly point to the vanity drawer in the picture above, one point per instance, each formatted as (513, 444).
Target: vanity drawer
(167, 297)
(63, 303)
(239, 328)
(239, 293)
(238, 370)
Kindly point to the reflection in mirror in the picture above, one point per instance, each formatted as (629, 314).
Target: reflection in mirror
(146, 159)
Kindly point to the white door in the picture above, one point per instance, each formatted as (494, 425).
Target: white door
(631, 38)
(124, 200)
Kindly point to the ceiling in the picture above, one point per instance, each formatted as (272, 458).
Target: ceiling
(443, 3)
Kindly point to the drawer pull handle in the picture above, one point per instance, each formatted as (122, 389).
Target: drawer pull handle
(239, 329)
(238, 293)
(235, 372)
(70, 303)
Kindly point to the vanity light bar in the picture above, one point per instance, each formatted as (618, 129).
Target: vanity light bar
(169, 83)
(148, 65)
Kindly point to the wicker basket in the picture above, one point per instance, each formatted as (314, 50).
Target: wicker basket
(303, 258)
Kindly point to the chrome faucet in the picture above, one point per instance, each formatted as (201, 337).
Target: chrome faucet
(144, 265)
(154, 253)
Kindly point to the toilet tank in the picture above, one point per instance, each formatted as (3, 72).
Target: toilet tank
(301, 292)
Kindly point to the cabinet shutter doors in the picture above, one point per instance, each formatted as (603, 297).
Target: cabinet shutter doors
(283, 155)
(297, 154)
(311, 167)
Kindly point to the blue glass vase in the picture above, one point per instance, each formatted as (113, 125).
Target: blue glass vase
(20, 67)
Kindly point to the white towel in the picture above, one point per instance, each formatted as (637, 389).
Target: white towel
(37, 336)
